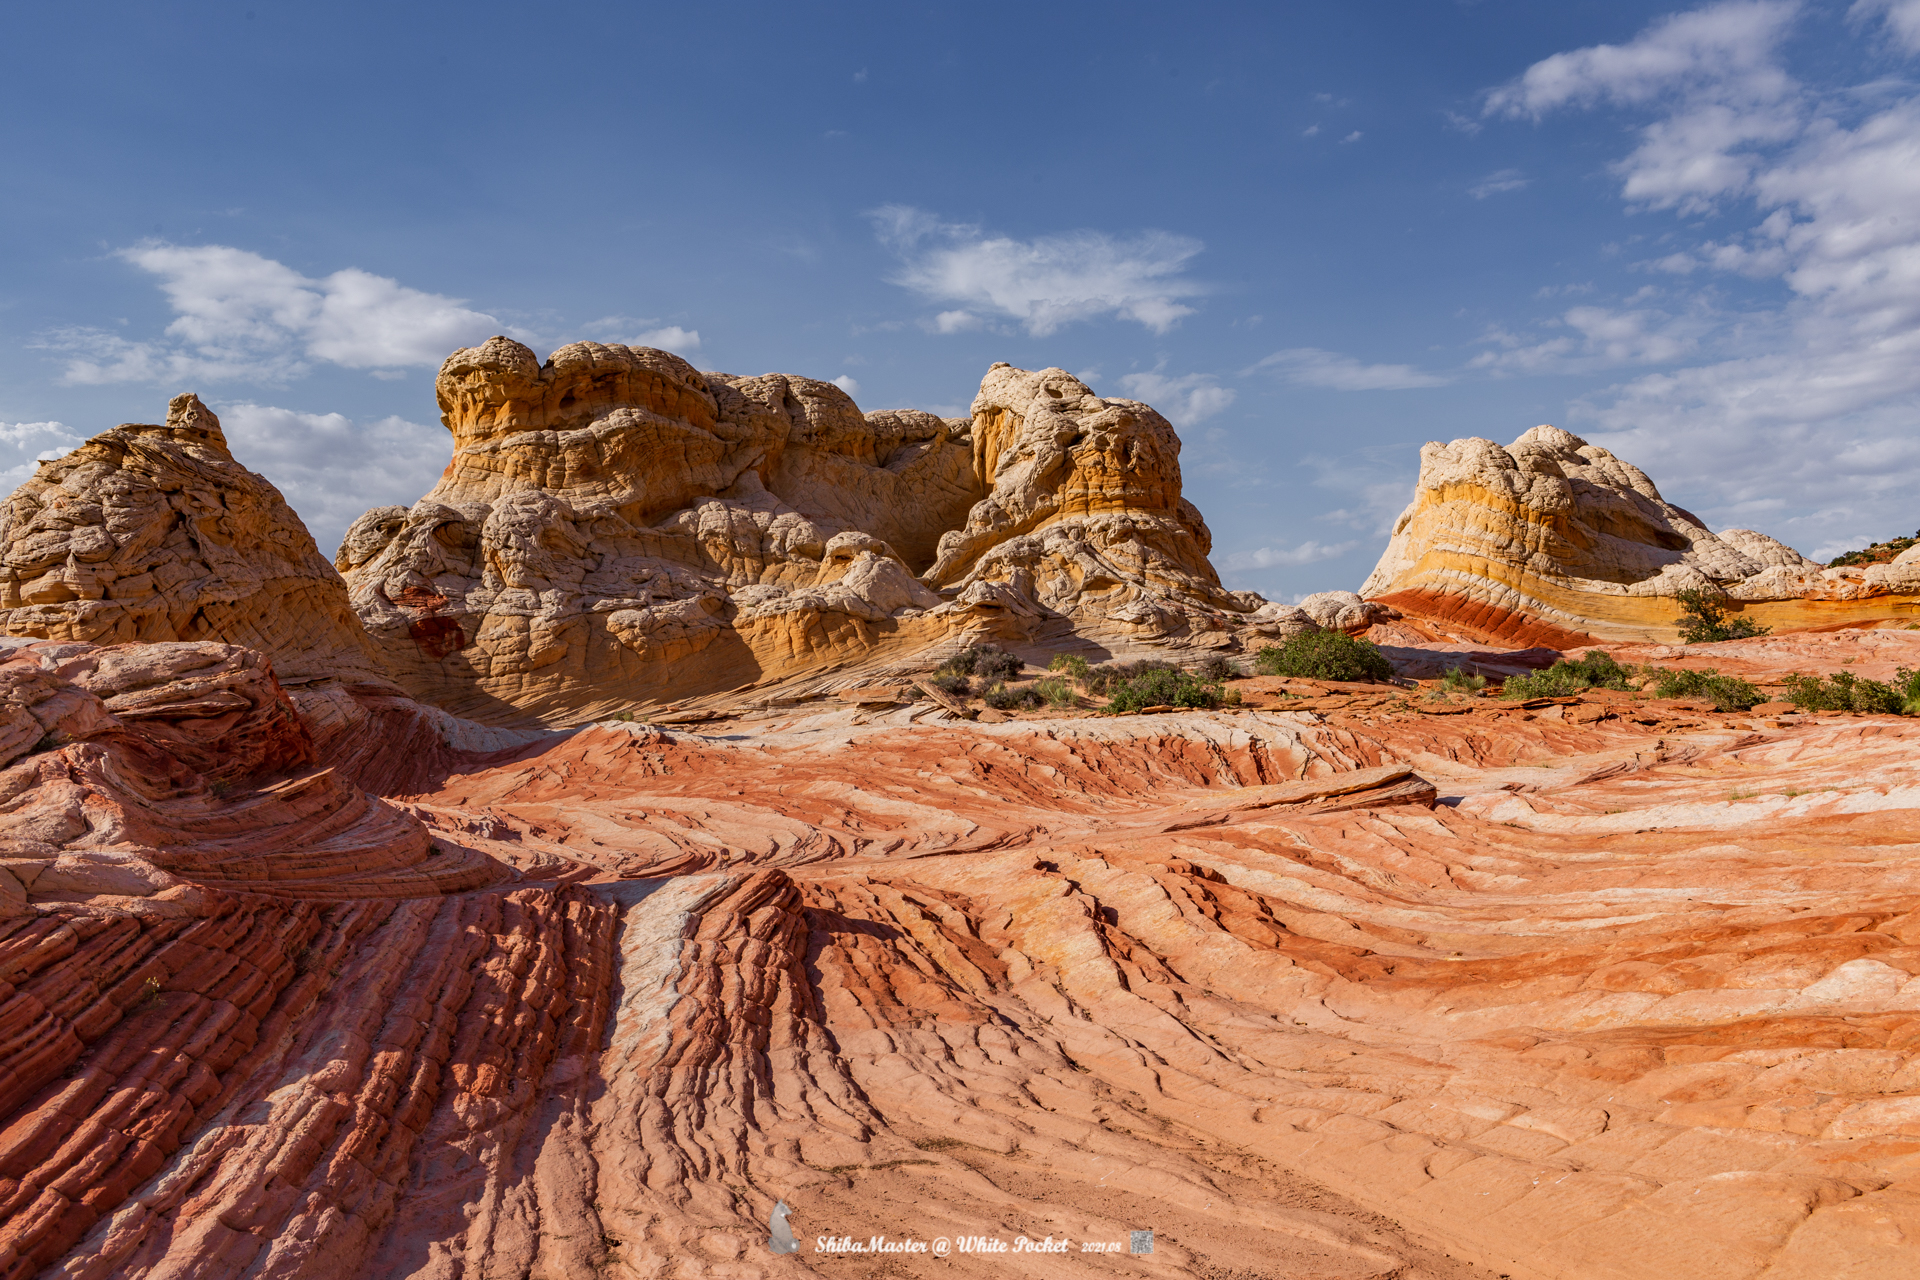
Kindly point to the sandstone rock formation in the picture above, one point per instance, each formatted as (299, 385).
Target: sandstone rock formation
(616, 528)
(1555, 541)
(155, 533)
(1234, 976)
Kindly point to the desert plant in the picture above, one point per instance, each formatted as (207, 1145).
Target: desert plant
(1056, 691)
(1593, 670)
(1218, 669)
(1323, 655)
(1728, 693)
(1844, 691)
(1109, 676)
(1004, 697)
(1458, 681)
(1878, 553)
(1072, 664)
(1703, 618)
(1165, 687)
(952, 684)
(989, 662)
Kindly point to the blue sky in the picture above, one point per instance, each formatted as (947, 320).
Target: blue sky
(1314, 235)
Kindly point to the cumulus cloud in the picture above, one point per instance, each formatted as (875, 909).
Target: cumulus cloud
(239, 315)
(629, 332)
(1042, 283)
(1828, 369)
(331, 468)
(1282, 557)
(1185, 400)
(848, 384)
(1494, 183)
(1312, 367)
(1600, 338)
(25, 445)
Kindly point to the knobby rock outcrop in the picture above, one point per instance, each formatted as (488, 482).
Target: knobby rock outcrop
(154, 533)
(1555, 541)
(617, 528)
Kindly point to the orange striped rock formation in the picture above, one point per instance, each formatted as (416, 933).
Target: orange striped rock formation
(617, 529)
(1553, 541)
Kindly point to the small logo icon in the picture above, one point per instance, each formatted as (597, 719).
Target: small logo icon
(1139, 1242)
(780, 1235)
(941, 1246)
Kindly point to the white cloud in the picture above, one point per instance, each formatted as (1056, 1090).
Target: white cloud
(25, 445)
(1602, 338)
(331, 468)
(1185, 400)
(1310, 131)
(1902, 19)
(630, 332)
(1802, 417)
(848, 384)
(1278, 557)
(241, 316)
(1042, 283)
(1312, 367)
(1355, 136)
(1496, 182)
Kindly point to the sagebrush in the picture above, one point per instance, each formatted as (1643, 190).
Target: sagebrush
(1324, 655)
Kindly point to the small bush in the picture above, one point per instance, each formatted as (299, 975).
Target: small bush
(1002, 697)
(989, 662)
(1324, 655)
(1844, 691)
(1109, 676)
(1457, 681)
(954, 686)
(1703, 618)
(1218, 669)
(1056, 691)
(1165, 687)
(1729, 693)
(1878, 553)
(1072, 664)
(1595, 670)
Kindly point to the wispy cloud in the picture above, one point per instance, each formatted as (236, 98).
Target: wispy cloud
(1830, 367)
(331, 468)
(1280, 557)
(1042, 283)
(1313, 367)
(25, 445)
(1592, 338)
(241, 316)
(1185, 400)
(1496, 182)
(630, 332)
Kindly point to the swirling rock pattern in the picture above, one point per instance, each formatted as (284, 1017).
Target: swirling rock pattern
(1554, 541)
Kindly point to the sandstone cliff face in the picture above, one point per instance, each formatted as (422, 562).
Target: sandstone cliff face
(616, 528)
(155, 533)
(1555, 541)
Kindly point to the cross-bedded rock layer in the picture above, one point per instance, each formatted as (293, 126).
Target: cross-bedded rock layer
(1553, 541)
(1639, 994)
(617, 528)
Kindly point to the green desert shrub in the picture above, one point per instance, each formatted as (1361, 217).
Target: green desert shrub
(1165, 687)
(1703, 618)
(1593, 670)
(1878, 553)
(1729, 693)
(1004, 697)
(1323, 655)
(1056, 691)
(1108, 676)
(1218, 669)
(1072, 665)
(1844, 691)
(1457, 682)
(989, 662)
(952, 684)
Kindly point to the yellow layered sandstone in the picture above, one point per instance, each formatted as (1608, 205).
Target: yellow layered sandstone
(1555, 541)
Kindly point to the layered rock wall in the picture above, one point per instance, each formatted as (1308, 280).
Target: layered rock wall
(617, 528)
(1556, 541)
